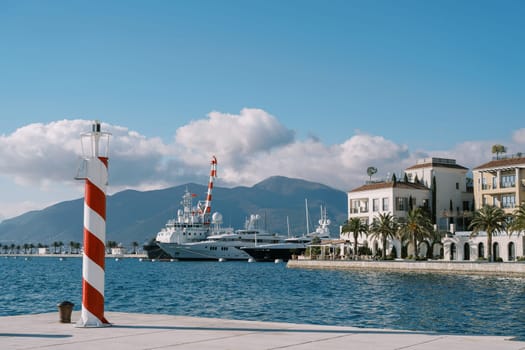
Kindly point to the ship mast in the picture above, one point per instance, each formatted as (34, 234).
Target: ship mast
(207, 206)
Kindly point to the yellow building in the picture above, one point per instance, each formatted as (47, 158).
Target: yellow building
(500, 182)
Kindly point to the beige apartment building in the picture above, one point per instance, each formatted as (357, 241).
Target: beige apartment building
(500, 182)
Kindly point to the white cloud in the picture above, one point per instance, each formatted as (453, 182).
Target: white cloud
(519, 136)
(250, 146)
(236, 137)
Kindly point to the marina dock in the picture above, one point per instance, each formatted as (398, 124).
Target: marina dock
(131, 331)
(516, 269)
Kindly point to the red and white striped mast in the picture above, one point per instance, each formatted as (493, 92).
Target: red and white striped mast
(207, 206)
(94, 170)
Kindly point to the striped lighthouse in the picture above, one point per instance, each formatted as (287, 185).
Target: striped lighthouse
(94, 170)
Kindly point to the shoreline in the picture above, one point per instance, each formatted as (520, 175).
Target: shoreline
(67, 255)
(515, 269)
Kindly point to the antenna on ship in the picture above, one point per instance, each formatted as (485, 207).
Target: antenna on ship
(207, 205)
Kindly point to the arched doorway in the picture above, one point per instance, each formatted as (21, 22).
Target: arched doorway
(495, 251)
(512, 251)
(466, 251)
(375, 249)
(424, 249)
(452, 251)
(481, 250)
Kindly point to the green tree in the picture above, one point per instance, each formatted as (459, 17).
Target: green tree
(384, 227)
(498, 149)
(111, 244)
(518, 222)
(357, 228)
(314, 251)
(416, 227)
(490, 219)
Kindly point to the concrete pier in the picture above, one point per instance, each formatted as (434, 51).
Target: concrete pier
(140, 331)
(502, 269)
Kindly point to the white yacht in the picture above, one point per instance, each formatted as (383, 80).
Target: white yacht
(223, 244)
(293, 245)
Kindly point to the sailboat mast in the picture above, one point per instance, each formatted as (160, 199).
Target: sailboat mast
(307, 217)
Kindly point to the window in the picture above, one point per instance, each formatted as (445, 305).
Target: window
(375, 204)
(401, 203)
(363, 206)
(385, 204)
(457, 185)
(354, 206)
(508, 201)
(484, 184)
(494, 182)
(508, 181)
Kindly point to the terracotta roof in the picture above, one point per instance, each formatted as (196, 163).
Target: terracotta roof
(436, 165)
(501, 163)
(380, 185)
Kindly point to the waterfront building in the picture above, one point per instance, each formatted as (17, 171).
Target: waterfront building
(462, 247)
(450, 188)
(501, 183)
(438, 185)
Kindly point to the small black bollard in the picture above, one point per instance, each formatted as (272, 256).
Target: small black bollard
(65, 309)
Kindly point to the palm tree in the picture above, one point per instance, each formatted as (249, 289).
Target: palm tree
(498, 149)
(491, 219)
(518, 223)
(416, 227)
(384, 227)
(357, 227)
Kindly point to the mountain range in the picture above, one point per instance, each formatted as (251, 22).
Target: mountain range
(135, 216)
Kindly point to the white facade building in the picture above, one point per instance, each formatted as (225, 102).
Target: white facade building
(437, 184)
(454, 198)
(461, 247)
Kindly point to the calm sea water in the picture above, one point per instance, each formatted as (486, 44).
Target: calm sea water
(271, 292)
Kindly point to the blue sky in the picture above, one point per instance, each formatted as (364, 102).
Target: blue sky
(344, 84)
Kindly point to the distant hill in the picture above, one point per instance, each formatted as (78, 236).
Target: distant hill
(138, 216)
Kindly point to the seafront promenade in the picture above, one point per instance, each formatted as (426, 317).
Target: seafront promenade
(146, 331)
(512, 268)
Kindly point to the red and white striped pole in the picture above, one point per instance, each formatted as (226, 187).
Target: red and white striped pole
(213, 175)
(95, 174)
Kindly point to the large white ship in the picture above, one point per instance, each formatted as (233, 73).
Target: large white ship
(223, 244)
(196, 235)
(192, 223)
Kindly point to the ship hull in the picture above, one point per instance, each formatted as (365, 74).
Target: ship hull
(154, 251)
(273, 253)
(201, 251)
